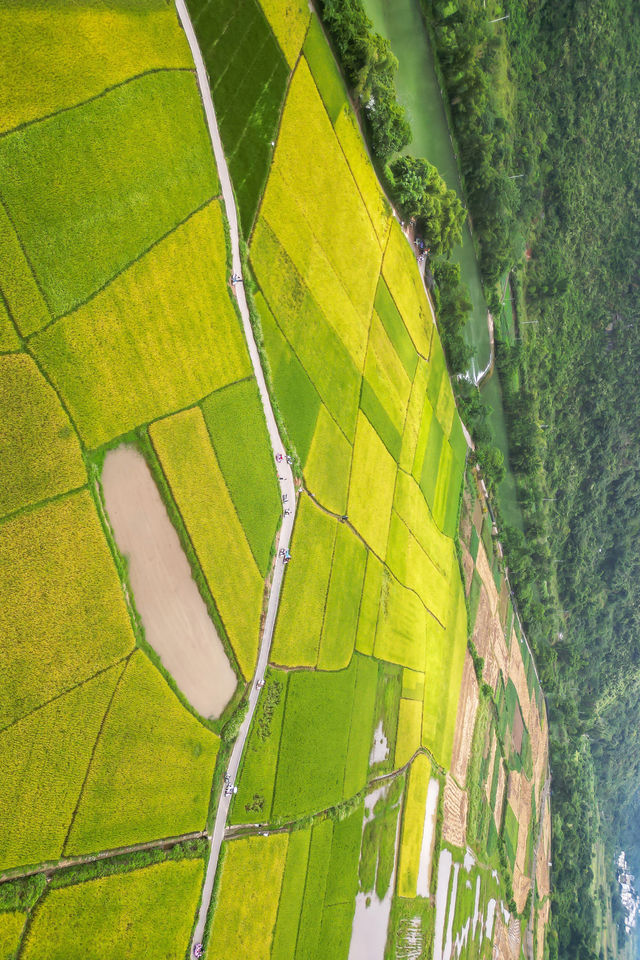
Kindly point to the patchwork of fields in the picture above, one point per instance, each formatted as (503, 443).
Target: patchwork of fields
(387, 804)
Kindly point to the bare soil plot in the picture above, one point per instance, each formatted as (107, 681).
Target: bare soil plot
(543, 920)
(506, 942)
(504, 603)
(466, 516)
(517, 730)
(518, 675)
(174, 615)
(520, 801)
(454, 824)
(468, 567)
(494, 749)
(544, 850)
(477, 516)
(465, 721)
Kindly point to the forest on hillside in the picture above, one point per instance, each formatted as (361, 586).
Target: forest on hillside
(551, 94)
(543, 97)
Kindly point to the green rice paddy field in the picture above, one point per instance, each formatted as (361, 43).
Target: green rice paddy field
(118, 325)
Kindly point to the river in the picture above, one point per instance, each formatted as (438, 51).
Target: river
(401, 22)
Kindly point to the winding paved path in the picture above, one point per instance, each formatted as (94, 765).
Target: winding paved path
(284, 469)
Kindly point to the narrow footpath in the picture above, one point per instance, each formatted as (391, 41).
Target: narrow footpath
(284, 469)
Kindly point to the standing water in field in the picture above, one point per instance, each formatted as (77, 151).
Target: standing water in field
(400, 21)
(174, 616)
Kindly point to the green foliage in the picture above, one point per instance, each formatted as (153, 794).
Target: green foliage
(248, 99)
(342, 878)
(314, 890)
(132, 164)
(293, 884)
(422, 194)
(394, 325)
(257, 778)
(236, 424)
(159, 901)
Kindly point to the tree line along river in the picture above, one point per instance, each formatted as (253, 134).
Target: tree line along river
(402, 23)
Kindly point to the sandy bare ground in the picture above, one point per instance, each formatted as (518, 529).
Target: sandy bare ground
(506, 943)
(544, 851)
(468, 567)
(519, 677)
(454, 823)
(543, 920)
(519, 795)
(465, 721)
(174, 615)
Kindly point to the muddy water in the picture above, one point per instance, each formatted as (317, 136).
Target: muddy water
(175, 618)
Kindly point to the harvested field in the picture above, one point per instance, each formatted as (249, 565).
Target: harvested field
(497, 810)
(174, 615)
(519, 794)
(494, 750)
(489, 639)
(506, 942)
(544, 850)
(468, 567)
(517, 730)
(504, 602)
(518, 675)
(465, 722)
(455, 814)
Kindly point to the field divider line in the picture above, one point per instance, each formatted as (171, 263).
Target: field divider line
(50, 867)
(287, 485)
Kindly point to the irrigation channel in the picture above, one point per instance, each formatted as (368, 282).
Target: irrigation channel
(401, 22)
(287, 485)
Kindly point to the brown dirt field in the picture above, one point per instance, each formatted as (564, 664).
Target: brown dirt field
(519, 797)
(517, 730)
(454, 824)
(544, 850)
(543, 920)
(478, 515)
(519, 678)
(497, 810)
(174, 615)
(506, 940)
(466, 517)
(486, 576)
(465, 721)
(468, 567)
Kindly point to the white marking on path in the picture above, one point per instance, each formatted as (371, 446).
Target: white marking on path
(287, 485)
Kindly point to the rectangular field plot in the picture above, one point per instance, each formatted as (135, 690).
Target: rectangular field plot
(248, 80)
(39, 450)
(314, 890)
(11, 926)
(151, 772)
(444, 664)
(58, 591)
(291, 894)
(343, 601)
(286, 218)
(411, 507)
(236, 425)
(328, 465)
(247, 899)
(324, 70)
(317, 346)
(202, 497)
(409, 731)
(158, 903)
(131, 165)
(396, 331)
(301, 614)
(257, 777)
(373, 476)
(94, 48)
(315, 171)
(401, 633)
(413, 419)
(386, 375)
(418, 831)
(297, 398)
(414, 568)
(316, 746)
(44, 759)
(405, 285)
(161, 336)
(8, 336)
(368, 616)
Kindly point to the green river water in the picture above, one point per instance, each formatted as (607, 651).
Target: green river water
(401, 22)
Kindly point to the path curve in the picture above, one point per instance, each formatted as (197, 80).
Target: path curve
(287, 485)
